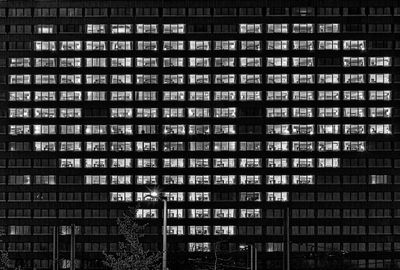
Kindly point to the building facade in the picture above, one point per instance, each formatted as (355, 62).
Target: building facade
(249, 116)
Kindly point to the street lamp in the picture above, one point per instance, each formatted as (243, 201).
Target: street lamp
(157, 195)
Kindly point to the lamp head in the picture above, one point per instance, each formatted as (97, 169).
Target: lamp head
(154, 194)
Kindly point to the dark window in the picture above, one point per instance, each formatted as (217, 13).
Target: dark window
(199, 12)
(225, 11)
(121, 12)
(147, 12)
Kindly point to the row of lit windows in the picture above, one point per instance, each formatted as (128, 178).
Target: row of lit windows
(333, 78)
(180, 129)
(199, 45)
(205, 197)
(98, 163)
(199, 11)
(282, 95)
(278, 196)
(216, 146)
(178, 28)
(221, 163)
(230, 112)
(77, 62)
(181, 179)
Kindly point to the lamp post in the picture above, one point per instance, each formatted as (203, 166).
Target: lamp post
(159, 196)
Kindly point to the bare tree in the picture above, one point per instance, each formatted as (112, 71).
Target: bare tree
(4, 260)
(131, 255)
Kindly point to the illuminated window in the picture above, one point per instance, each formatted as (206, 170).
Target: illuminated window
(277, 28)
(328, 28)
(199, 247)
(302, 146)
(353, 95)
(121, 79)
(199, 45)
(250, 45)
(303, 112)
(146, 79)
(95, 46)
(276, 146)
(45, 29)
(303, 95)
(303, 78)
(173, 79)
(328, 163)
(276, 196)
(328, 45)
(250, 179)
(329, 112)
(147, 45)
(95, 79)
(224, 179)
(45, 112)
(71, 62)
(120, 196)
(303, 179)
(70, 163)
(198, 62)
(199, 180)
(224, 79)
(140, 62)
(147, 213)
(380, 61)
(277, 78)
(353, 61)
(174, 28)
(121, 45)
(277, 162)
(45, 62)
(303, 162)
(179, 61)
(199, 78)
(175, 45)
(303, 45)
(277, 95)
(354, 45)
(302, 28)
(146, 28)
(277, 45)
(70, 45)
(379, 78)
(44, 45)
(250, 28)
(229, 45)
(356, 146)
(380, 94)
(19, 62)
(121, 28)
(225, 62)
(328, 78)
(328, 95)
(324, 146)
(70, 113)
(250, 213)
(353, 129)
(95, 28)
(277, 62)
(380, 112)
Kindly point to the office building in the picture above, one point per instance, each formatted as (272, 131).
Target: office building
(234, 110)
